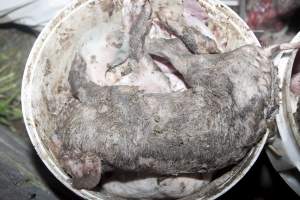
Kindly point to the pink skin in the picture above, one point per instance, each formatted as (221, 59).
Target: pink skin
(295, 84)
(295, 81)
(85, 170)
(192, 8)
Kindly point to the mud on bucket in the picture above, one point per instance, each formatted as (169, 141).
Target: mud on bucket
(84, 29)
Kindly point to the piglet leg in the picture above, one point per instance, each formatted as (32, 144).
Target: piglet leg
(175, 51)
(194, 39)
(137, 23)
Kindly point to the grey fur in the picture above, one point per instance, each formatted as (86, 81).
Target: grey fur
(210, 126)
(202, 129)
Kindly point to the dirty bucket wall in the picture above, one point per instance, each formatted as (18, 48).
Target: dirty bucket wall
(284, 147)
(82, 27)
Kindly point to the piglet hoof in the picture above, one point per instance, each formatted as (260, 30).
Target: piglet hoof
(85, 170)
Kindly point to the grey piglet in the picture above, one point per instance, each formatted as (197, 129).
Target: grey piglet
(213, 124)
(205, 128)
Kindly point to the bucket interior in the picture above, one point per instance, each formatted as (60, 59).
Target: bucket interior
(82, 29)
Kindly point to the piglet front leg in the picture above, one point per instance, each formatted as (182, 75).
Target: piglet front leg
(174, 17)
(136, 24)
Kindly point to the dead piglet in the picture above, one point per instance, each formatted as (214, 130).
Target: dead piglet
(206, 128)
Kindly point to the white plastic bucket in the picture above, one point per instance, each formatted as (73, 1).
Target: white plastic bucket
(284, 148)
(45, 78)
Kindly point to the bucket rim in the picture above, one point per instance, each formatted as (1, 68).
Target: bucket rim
(27, 84)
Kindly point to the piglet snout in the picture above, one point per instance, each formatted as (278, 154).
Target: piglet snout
(85, 170)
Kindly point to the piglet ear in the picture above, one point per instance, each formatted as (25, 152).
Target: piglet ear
(85, 171)
(295, 84)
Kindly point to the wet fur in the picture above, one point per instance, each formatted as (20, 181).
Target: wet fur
(210, 126)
